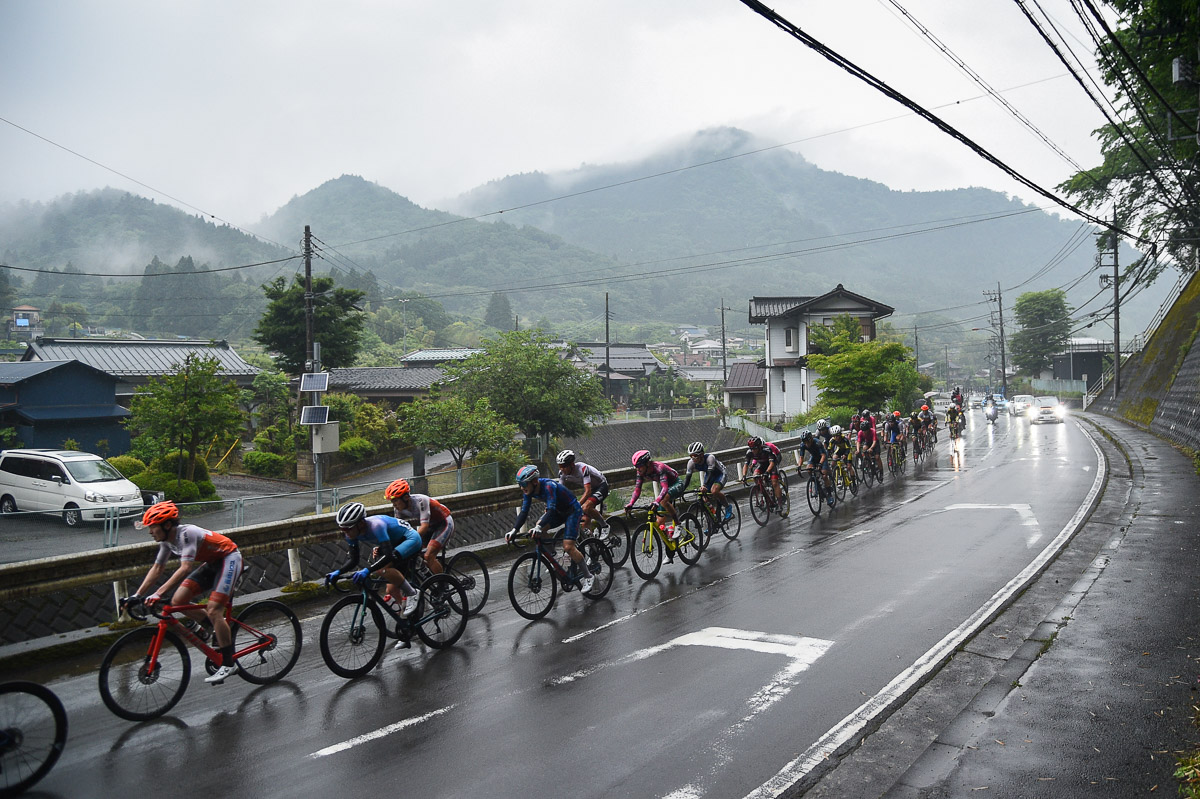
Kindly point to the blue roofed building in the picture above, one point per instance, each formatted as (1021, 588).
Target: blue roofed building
(49, 402)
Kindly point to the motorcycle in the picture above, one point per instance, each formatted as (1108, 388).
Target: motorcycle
(991, 412)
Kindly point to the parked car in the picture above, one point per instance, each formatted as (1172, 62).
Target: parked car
(79, 485)
(1019, 406)
(1047, 409)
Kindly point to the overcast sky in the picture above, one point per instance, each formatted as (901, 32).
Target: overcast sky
(235, 107)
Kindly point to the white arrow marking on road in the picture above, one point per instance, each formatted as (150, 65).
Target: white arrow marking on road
(1026, 513)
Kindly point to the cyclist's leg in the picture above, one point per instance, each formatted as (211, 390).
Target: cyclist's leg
(202, 578)
(571, 535)
(439, 540)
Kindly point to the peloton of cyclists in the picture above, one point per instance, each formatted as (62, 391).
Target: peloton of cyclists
(561, 508)
(762, 458)
(435, 525)
(714, 475)
(670, 487)
(575, 475)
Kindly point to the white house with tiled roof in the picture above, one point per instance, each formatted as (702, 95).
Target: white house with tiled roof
(790, 384)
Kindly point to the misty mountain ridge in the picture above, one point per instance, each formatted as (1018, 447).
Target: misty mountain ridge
(768, 222)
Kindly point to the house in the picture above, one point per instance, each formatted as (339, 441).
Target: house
(26, 322)
(790, 384)
(437, 357)
(49, 402)
(391, 383)
(135, 361)
(746, 387)
(621, 364)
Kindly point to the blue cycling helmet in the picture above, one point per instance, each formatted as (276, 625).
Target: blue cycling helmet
(526, 474)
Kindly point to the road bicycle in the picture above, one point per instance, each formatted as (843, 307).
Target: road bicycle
(870, 467)
(472, 574)
(617, 539)
(816, 492)
(865, 474)
(535, 577)
(844, 478)
(712, 518)
(648, 541)
(33, 732)
(762, 498)
(955, 430)
(354, 631)
(895, 459)
(147, 670)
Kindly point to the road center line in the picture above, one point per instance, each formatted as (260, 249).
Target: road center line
(380, 733)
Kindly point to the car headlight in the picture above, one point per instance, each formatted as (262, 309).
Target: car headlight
(92, 496)
(1060, 411)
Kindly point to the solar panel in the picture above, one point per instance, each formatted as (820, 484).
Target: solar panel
(314, 414)
(314, 381)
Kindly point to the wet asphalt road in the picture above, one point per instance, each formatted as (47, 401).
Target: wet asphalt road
(722, 679)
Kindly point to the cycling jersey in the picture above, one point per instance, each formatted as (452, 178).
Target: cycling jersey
(395, 540)
(710, 466)
(892, 429)
(425, 510)
(824, 435)
(561, 507)
(866, 436)
(839, 446)
(656, 472)
(191, 543)
(764, 457)
(589, 478)
(815, 450)
(928, 418)
(915, 423)
(953, 416)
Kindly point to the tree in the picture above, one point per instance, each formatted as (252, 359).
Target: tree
(828, 340)
(531, 384)
(864, 375)
(1045, 321)
(1146, 173)
(186, 409)
(499, 312)
(451, 424)
(337, 324)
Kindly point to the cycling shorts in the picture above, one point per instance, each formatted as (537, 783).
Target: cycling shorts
(713, 478)
(571, 523)
(599, 493)
(812, 461)
(676, 489)
(442, 537)
(218, 578)
(762, 469)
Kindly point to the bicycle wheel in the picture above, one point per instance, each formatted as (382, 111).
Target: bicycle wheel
(442, 611)
(33, 732)
(645, 552)
(472, 574)
(708, 521)
(733, 525)
(758, 506)
(135, 690)
(839, 481)
(893, 467)
(860, 466)
(599, 562)
(903, 461)
(618, 541)
(691, 539)
(813, 493)
(275, 627)
(532, 586)
(352, 636)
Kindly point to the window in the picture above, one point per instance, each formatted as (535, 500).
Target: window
(782, 385)
(789, 340)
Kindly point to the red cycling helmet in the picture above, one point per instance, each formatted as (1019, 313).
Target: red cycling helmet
(641, 457)
(159, 512)
(397, 489)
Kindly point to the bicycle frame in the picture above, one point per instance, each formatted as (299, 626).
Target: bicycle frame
(168, 621)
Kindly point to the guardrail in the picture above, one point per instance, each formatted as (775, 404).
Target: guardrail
(102, 566)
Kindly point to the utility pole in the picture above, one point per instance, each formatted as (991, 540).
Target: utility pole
(1116, 242)
(308, 295)
(724, 346)
(607, 352)
(999, 298)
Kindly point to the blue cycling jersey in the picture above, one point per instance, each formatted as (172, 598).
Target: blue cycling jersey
(560, 503)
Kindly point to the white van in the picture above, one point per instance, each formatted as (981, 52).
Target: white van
(79, 485)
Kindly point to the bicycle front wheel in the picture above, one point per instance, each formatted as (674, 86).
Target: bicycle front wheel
(733, 525)
(758, 506)
(690, 538)
(813, 493)
(272, 631)
(35, 724)
(618, 541)
(532, 586)
(352, 637)
(645, 552)
(839, 482)
(134, 688)
(599, 563)
(472, 574)
(442, 611)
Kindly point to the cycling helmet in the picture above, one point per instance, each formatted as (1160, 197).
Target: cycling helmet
(755, 443)
(896, 414)
(924, 407)
(351, 514)
(641, 457)
(526, 473)
(807, 435)
(822, 424)
(696, 448)
(159, 512)
(565, 457)
(397, 489)
(865, 412)
(836, 430)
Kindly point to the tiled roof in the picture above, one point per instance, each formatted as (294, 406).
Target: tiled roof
(132, 358)
(384, 378)
(14, 372)
(763, 308)
(440, 356)
(746, 377)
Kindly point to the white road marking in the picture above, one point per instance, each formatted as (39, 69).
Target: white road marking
(380, 733)
(1025, 512)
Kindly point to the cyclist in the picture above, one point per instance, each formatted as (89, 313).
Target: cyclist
(714, 475)
(957, 397)
(823, 431)
(954, 419)
(929, 420)
(576, 474)
(868, 441)
(670, 487)
(763, 457)
(561, 508)
(818, 458)
(839, 449)
(435, 525)
(219, 566)
(394, 543)
(915, 425)
(893, 431)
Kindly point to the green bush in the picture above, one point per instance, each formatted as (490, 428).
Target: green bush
(181, 490)
(175, 462)
(207, 489)
(265, 464)
(356, 448)
(150, 480)
(127, 464)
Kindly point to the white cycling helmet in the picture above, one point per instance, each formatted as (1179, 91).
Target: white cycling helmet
(565, 457)
(696, 448)
(351, 514)
(836, 430)
(822, 424)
